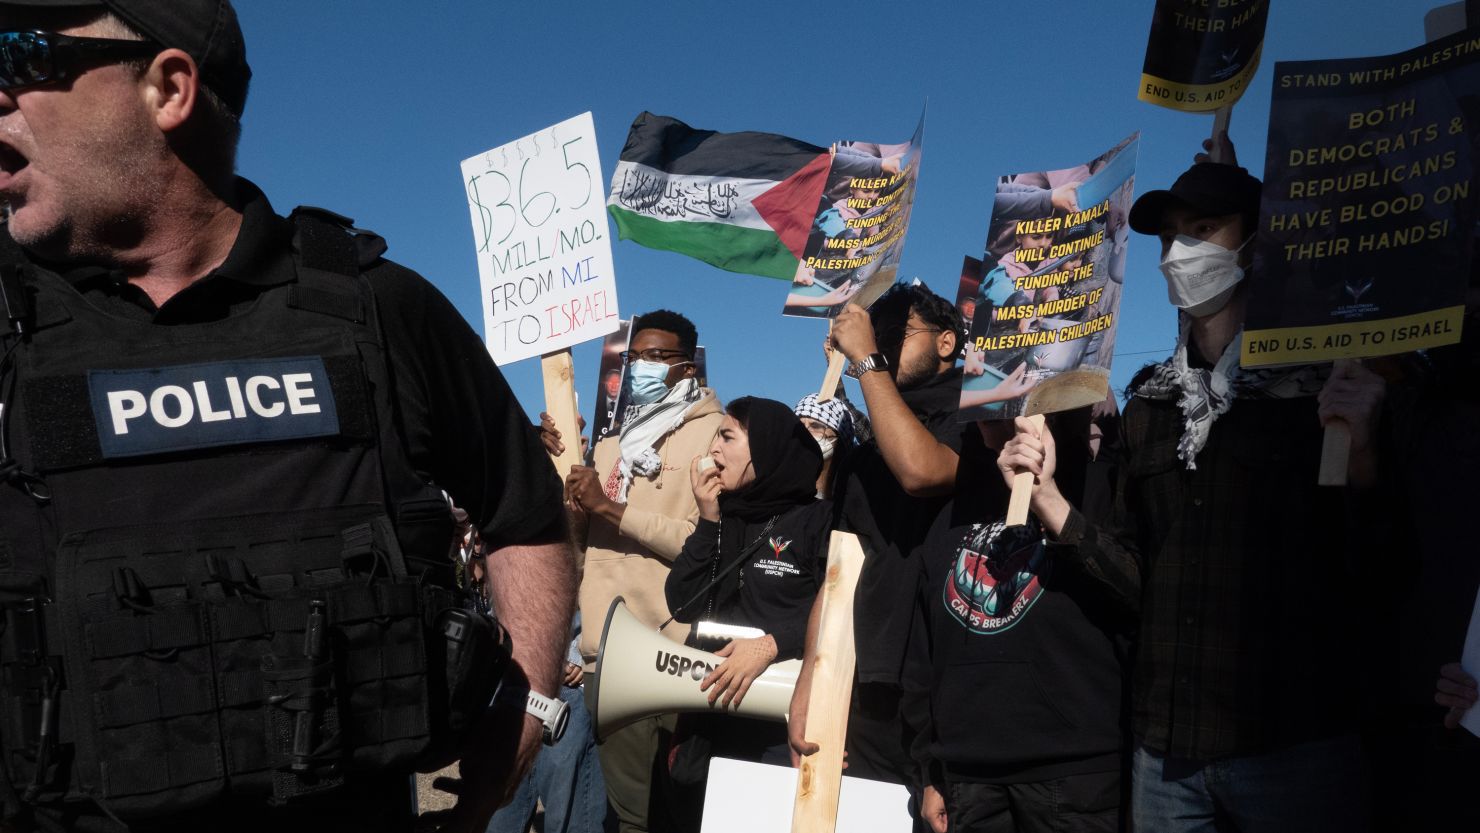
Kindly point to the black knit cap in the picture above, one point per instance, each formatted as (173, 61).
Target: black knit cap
(206, 29)
(1209, 189)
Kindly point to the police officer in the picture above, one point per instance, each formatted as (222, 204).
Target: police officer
(224, 436)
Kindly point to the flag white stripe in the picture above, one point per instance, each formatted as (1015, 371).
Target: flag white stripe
(682, 198)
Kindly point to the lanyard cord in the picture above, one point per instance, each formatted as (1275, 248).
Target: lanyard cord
(715, 573)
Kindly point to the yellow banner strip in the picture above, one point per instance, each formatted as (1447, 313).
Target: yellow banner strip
(1198, 98)
(1355, 340)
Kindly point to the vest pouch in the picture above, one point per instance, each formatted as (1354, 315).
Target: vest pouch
(269, 657)
(470, 652)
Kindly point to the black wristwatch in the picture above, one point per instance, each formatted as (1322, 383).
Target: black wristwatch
(873, 361)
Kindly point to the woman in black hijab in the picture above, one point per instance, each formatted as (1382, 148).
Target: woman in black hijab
(757, 558)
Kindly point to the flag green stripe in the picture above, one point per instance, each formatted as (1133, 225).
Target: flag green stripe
(733, 248)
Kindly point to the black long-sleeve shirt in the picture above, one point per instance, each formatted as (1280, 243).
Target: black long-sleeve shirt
(773, 590)
(1251, 615)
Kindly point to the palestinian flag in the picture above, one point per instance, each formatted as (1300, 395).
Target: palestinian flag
(740, 201)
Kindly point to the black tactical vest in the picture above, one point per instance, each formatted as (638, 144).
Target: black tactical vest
(217, 567)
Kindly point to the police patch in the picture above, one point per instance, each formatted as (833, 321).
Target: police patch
(159, 410)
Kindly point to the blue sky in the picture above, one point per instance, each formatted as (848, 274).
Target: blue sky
(367, 108)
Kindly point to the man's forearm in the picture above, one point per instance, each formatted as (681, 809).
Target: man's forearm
(921, 464)
(533, 590)
(1052, 509)
(611, 512)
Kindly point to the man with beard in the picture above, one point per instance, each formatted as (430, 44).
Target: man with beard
(888, 494)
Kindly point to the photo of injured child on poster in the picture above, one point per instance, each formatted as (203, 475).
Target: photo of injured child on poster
(1043, 324)
(857, 237)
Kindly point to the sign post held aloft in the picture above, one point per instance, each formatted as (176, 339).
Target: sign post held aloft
(545, 267)
(1022, 484)
(559, 372)
(820, 775)
(834, 374)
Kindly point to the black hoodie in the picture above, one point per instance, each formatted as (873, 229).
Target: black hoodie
(769, 552)
(1015, 670)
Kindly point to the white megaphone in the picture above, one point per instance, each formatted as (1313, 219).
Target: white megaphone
(640, 673)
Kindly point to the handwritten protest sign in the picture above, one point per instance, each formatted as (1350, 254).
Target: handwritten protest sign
(1043, 324)
(1202, 53)
(1367, 214)
(857, 238)
(544, 254)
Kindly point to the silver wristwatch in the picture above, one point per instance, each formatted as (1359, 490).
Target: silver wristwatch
(873, 361)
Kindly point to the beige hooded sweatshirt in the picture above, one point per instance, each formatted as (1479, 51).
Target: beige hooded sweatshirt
(633, 562)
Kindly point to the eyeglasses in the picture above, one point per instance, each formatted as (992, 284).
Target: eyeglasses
(652, 354)
(31, 58)
(903, 333)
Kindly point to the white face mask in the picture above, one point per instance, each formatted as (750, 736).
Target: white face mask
(828, 445)
(1201, 275)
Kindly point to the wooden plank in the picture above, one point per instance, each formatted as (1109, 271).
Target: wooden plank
(1336, 448)
(833, 376)
(820, 775)
(1221, 117)
(559, 371)
(1022, 486)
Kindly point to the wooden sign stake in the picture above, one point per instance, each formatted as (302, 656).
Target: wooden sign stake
(1022, 486)
(820, 775)
(833, 376)
(559, 371)
(1221, 117)
(1336, 446)
(834, 373)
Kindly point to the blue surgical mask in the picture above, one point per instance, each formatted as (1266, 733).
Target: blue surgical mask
(647, 381)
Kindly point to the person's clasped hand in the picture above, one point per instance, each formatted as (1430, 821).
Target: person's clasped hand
(745, 659)
(1354, 395)
(707, 489)
(1457, 691)
(1030, 450)
(583, 489)
(550, 436)
(853, 333)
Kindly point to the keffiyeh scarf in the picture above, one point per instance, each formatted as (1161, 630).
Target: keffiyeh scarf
(1204, 395)
(642, 427)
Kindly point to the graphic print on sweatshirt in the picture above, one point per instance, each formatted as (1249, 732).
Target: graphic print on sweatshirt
(778, 565)
(995, 580)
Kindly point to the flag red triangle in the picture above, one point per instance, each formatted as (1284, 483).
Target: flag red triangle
(790, 205)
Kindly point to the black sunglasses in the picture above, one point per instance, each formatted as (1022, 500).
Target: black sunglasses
(31, 58)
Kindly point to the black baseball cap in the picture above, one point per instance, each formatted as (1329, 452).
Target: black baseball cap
(1210, 189)
(206, 29)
